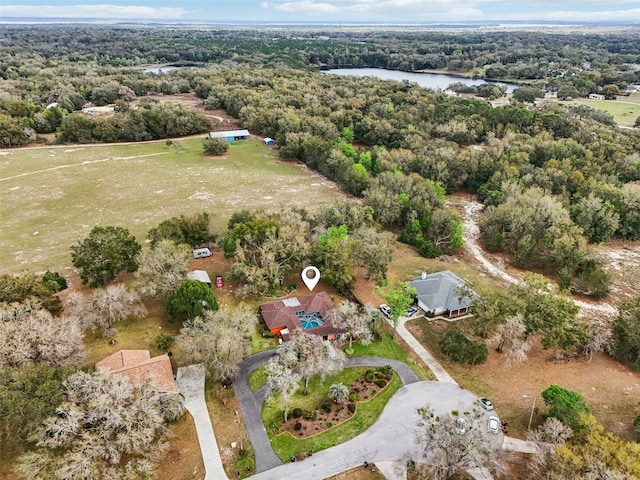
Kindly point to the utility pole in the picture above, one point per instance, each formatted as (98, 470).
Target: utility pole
(533, 407)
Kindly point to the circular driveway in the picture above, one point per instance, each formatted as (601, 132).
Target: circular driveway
(392, 437)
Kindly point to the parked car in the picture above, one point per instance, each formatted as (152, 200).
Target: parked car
(461, 425)
(411, 311)
(493, 424)
(486, 404)
(386, 310)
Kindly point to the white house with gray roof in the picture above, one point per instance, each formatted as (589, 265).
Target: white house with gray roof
(443, 293)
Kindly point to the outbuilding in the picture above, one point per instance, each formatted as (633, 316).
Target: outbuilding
(199, 275)
(231, 135)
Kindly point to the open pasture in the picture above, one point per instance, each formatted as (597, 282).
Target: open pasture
(50, 197)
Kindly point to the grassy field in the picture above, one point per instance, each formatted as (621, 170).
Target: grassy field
(51, 197)
(624, 111)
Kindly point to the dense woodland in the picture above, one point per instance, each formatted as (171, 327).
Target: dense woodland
(554, 179)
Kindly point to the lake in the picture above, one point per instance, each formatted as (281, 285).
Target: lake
(433, 81)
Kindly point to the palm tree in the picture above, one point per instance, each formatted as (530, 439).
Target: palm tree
(338, 392)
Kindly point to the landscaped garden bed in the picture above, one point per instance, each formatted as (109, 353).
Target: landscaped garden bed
(304, 423)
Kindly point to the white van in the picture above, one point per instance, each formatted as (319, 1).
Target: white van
(201, 252)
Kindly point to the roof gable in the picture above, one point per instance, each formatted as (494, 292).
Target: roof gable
(138, 365)
(442, 290)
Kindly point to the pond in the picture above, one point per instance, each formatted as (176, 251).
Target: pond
(433, 81)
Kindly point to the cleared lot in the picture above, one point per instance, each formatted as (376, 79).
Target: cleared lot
(50, 197)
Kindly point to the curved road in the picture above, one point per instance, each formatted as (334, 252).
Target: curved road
(251, 402)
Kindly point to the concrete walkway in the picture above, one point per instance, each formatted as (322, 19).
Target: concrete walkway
(190, 382)
(433, 365)
(516, 445)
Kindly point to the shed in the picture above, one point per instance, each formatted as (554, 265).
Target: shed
(199, 275)
(231, 135)
(268, 141)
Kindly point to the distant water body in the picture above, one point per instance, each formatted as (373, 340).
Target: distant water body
(433, 81)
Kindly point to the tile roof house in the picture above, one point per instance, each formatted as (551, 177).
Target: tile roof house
(308, 312)
(137, 366)
(442, 293)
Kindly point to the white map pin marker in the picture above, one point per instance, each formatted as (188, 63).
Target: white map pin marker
(311, 282)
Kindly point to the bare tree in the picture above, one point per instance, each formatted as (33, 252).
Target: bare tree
(219, 339)
(104, 307)
(162, 268)
(310, 356)
(552, 431)
(30, 334)
(283, 380)
(104, 429)
(357, 322)
(455, 441)
(512, 333)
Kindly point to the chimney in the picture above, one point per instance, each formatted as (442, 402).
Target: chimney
(424, 275)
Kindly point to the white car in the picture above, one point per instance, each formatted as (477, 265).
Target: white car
(486, 404)
(386, 310)
(493, 424)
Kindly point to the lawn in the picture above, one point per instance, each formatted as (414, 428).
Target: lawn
(52, 196)
(285, 446)
(624, 111)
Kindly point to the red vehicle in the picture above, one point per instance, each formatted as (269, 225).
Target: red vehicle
(219, 282)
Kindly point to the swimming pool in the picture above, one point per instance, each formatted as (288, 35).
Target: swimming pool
(310, 320)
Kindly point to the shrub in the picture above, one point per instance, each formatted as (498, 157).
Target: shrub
(329, 424)
(354, 397)
(54, 281)
(309, 415)
(352, 407)
(566, 405)
(460, 349)
(381, 383)
(164, 340)
(297, 413)
(326, 406)
(297, 426)
(369, 376)
(387, 370)
(215, 146)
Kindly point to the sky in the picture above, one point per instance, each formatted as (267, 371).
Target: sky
(345, 11)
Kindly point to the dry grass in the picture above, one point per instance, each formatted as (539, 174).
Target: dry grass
(360, 473)
(183, 460)
(611, 390)
(51, 197)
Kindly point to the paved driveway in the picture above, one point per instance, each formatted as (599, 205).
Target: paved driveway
(391, 438)
(190, 382)
(251, 402)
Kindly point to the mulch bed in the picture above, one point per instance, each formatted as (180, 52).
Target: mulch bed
(319, 420)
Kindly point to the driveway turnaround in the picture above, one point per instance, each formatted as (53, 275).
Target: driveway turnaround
(190, 382)
(251, 402)
(391, 438)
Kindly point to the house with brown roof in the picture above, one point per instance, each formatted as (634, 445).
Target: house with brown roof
(308, 312)
(138, 366)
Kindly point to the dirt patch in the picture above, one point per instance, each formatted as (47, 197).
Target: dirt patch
(611, 389)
